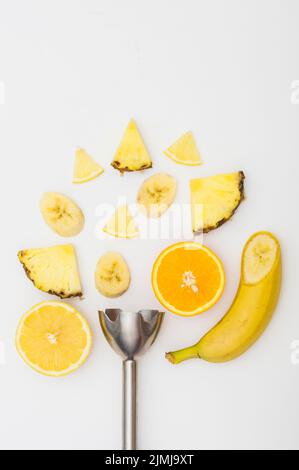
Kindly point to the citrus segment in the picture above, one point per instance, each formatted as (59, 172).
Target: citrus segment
(184, 151)
(122, 224)
(86, 169)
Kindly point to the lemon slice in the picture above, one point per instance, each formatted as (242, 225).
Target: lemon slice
(184, 151)
(53, 338)
(86, 169)
(122, 224)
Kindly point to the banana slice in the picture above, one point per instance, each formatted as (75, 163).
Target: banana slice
(112, 275)
(259, 257)
(62, 214)
(157, 194)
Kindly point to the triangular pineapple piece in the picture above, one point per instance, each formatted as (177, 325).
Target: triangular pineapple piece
(215, 199)
(184, 151)
(85, 169)
(53, 270)
(122, 224)
(132, 154)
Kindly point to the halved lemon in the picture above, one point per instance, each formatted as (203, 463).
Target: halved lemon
(188, 278)
(53, 338)
(85, 169)
(185, 151)
(122, 224)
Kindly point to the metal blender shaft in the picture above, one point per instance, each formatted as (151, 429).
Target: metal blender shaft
(129, 405)
(130, 334)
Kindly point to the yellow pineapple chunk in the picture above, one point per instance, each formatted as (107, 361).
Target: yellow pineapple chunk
(53, 270)
(215, 199)
(132, 154)
(185, 151)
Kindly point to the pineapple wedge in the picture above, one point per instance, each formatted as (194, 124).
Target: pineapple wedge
(184, 151)
(53, 270)
(122, 224)
(215, 199)
(132, 154)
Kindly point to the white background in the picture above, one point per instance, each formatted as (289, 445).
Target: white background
(74, 72)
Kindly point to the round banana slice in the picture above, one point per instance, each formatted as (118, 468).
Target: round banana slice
(157, 194)
(112, 275)
(259, 257)
(62, 214)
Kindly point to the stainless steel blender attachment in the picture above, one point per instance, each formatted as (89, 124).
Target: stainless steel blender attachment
(130, 334)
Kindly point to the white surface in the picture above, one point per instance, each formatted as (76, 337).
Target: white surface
(74, 73)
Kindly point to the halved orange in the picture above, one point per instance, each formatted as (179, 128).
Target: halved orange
(188, 278)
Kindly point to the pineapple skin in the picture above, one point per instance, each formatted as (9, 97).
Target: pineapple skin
(61, 294)
(242, 178)
(116, 166)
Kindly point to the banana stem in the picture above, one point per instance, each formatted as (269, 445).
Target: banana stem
(182, 355)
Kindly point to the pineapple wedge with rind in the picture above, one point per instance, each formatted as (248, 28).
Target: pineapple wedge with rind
(132, 154)
(53, 270)
(184, 151)
(215, 199)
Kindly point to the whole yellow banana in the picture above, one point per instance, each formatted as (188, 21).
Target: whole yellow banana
(251, 310)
